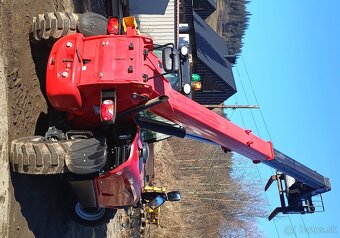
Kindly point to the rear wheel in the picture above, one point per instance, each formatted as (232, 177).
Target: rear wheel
(34, 155)
(92, 24)
(49, 27)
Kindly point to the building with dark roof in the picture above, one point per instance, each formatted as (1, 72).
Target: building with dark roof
(204, 8)
(210, 53)
(217, 78)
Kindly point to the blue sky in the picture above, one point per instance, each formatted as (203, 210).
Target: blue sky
(292, 54)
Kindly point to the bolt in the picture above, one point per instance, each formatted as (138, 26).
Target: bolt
(134, 95)
(256, 161)
(64, 74)
(69, 44)
(248, 131)
(101, 74)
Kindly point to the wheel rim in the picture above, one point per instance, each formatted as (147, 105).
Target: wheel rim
(89, 215)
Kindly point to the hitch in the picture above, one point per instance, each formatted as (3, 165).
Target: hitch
(54, 134)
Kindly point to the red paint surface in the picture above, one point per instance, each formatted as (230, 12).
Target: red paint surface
(103, 62)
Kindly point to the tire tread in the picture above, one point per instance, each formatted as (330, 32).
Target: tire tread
(30, 156)
(50, 26)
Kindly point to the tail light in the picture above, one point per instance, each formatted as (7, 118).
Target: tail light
(113, 26)
(196, 84)
(108, 111)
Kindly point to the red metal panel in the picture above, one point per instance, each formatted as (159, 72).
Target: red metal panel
(111, 58)
(102, 62)
(93, 64)
(121, 186)
(208, 124)
(62, 74)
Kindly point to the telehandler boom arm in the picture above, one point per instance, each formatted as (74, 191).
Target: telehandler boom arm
(301, 182)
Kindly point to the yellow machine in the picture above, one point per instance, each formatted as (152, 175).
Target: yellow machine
(153, 198)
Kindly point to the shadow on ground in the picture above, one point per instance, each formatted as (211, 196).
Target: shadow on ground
(45, 203)
(40, 205)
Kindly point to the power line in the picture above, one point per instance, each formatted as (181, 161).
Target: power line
(250, 82)
(306, 230)
(234, 107)
(245, 95)
(251, 85)
(244, 125)
(258, 172)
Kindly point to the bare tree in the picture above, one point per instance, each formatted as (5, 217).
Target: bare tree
(216, 200)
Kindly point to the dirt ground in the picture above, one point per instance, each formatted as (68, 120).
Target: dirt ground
(32, 206)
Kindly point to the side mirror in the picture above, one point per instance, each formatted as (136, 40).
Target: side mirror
(156, 202)
(170, 60)
(174, 196)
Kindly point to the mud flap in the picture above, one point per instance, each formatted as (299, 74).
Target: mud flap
(86, 156)
(92, 24)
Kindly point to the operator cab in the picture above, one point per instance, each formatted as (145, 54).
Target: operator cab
(176, 68)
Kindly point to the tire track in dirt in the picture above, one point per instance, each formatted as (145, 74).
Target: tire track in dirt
(4, 174)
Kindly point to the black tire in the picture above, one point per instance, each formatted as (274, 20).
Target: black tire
(92, 24)
(49, 27)
(34, 155)
(93, 216)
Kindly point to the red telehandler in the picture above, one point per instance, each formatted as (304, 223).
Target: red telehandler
(101, 74)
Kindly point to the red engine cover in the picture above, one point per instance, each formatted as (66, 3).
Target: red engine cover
(80, 68)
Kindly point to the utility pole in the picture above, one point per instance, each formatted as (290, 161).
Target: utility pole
(233, 106)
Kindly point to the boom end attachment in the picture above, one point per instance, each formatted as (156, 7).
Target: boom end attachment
(295, 196)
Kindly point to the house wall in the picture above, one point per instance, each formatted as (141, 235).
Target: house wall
(157, 19)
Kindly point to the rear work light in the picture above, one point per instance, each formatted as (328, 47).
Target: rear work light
(197, 86)
(113, 26)
(107, 111)
(187, 88)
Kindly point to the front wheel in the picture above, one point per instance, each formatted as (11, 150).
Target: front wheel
(92, 216)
